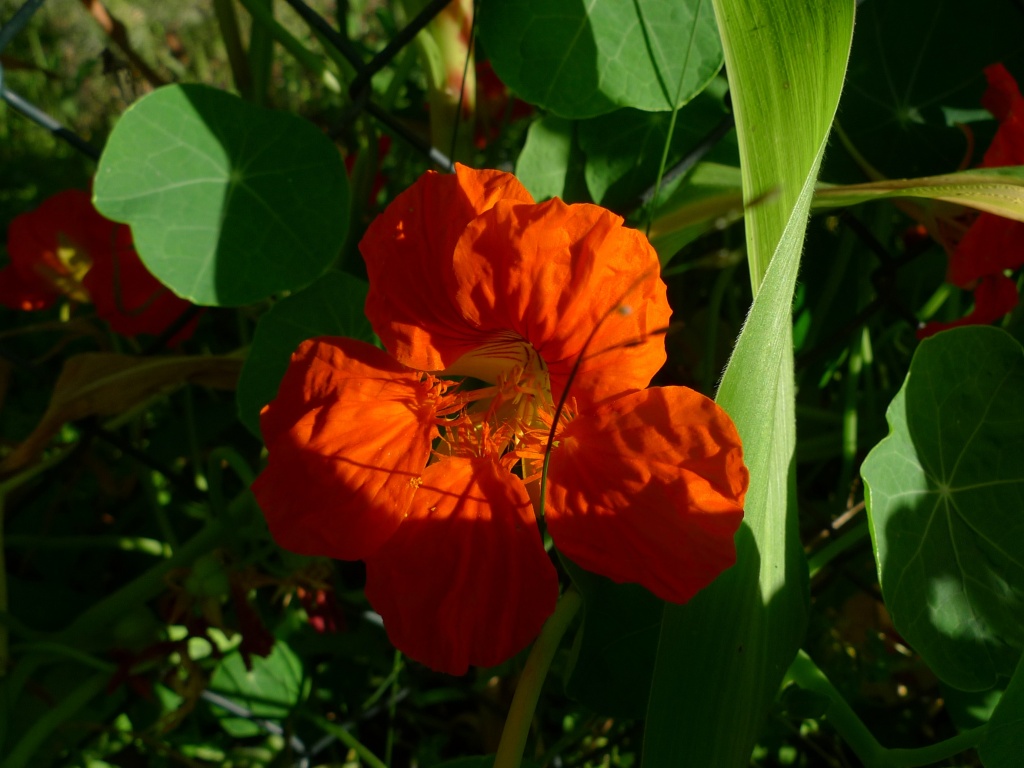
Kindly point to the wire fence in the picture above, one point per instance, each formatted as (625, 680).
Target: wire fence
(361, 98)
(359, 91)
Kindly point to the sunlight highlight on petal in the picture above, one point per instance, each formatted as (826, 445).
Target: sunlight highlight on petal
(552, 273)
(349, 434)
(408, 253)
(649, 488)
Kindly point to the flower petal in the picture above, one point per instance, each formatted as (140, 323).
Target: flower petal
(408, 252)
(553, 273)
(349, 433)
(128, 296)
(649, 488)
(35, 239)
(991, 245)
(1003, 99)
(465, 579)
(994, 297)
(23, 292)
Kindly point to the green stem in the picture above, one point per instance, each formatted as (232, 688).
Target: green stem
(805, 673)
(261, 14)
(389, 745)
(142, 544)
(104, 613)
(228, 21)
(854, 366)
(215, 475)
(261, 60)
(46, 648)
(350, 741)
(834, 548)
(41, 729)
(934, 753)
(524, 702)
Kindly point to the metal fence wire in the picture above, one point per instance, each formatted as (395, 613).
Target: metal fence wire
(360, 94)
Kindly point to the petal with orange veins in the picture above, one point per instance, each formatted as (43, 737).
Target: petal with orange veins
(465, 579)
(648, 488)
(408, 252)
(570, 280)
(349, 434)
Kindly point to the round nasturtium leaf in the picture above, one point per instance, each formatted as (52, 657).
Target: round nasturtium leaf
(331, 306)
(915, 78)
(945, 499)
(580, 59)
(228, 202)
(624, 149)
(1004, 738)
(270, 689)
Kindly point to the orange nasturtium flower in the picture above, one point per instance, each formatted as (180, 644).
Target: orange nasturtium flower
(425, 461)
(65, 247)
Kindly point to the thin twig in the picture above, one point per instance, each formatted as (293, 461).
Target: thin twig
(118, 33)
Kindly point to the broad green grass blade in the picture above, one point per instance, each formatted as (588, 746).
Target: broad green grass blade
(722, 656)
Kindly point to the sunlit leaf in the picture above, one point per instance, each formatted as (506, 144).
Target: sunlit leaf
(546, 162)
(228, 202)
(624, 148)
(944, 493)
(721, 657)
(271, 689)
(581, 59)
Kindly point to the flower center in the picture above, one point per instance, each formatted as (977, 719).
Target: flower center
(511, 418)
(66, 268)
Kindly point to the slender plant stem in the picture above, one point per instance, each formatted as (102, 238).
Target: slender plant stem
(934, 753)
(805, 673)
(118, 32)
(836, 547)
(32, 739)
(228, 21)
(151, 583)
(261, 60)
(143, 544)
(389, 745)
(261, 14)
(524, 702)
(350, 741)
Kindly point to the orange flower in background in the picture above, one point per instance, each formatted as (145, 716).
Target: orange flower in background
(66, 248)
(992, 244)
(426, 462)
